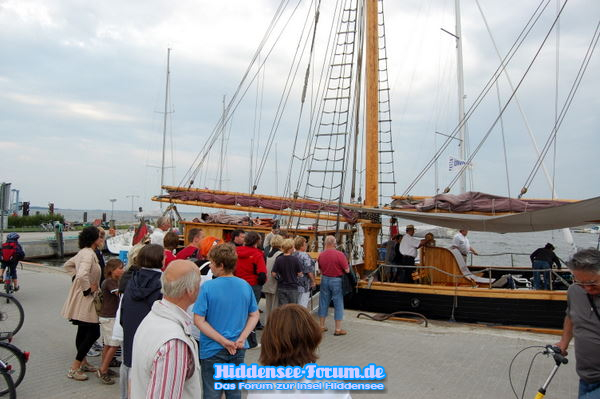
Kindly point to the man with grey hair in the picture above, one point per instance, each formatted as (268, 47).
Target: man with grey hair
(582, 320)
(163, 224)
(333, 265)
(165, 355)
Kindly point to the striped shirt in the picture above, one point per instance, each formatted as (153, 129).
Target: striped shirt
(173, 364)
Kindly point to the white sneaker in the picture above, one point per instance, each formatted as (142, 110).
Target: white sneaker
(93, 353)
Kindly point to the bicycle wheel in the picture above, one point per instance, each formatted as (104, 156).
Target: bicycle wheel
(11, 314)
(7, 385)
(14, 357)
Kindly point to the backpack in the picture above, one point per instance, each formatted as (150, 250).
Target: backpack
(98, 300)
(9, 251)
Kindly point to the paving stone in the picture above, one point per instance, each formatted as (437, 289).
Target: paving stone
(447, 360)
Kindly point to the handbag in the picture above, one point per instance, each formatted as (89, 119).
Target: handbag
(252, 340)
(98, 299)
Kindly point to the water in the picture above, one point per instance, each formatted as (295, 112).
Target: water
(520, 243)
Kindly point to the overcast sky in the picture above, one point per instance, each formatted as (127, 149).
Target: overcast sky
(82, 91)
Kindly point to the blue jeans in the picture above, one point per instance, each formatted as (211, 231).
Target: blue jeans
(537, 284)
(589, 391)
(331, 290)
(208, 372)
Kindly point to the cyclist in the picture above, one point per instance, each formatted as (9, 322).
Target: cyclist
(12, 253)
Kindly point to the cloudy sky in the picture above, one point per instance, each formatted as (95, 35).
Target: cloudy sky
(82, 90)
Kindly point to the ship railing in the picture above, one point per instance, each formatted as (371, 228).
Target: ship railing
(383, 271)
(512, 256)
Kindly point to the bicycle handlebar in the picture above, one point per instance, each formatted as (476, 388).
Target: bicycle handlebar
(556, 353)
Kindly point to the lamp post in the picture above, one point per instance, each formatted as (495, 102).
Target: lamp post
(132, 196)
(112, 210)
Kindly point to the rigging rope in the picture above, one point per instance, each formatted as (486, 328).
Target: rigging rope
(239, 94)
(287, 189)
(487, 134)
(565, 108)
(487, 87)
(517, 102)
(292, 73)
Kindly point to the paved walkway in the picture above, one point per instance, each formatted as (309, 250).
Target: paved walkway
(442, 360)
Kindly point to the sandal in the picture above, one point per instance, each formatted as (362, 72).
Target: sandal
(76, 375)
(340, 332)
(105, 378)
(112, 373)
(88, 368)
(323, 329)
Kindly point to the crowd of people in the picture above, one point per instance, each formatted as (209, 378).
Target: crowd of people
(176, 313)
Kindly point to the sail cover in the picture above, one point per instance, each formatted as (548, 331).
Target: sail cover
(474, 201)
(569, 214)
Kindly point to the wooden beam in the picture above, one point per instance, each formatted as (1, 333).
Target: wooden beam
(308, 215)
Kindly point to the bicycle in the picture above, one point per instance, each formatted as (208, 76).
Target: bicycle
(548, 350)
(559, 359)
(11, 314)
(6, 382)
(16, 359)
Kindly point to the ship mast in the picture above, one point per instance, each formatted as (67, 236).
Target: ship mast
(164, 144)
(461, 95)
(371, 230)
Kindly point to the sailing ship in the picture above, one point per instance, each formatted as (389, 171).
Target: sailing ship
(443, 287)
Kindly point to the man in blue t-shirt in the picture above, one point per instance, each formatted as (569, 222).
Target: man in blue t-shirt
(225, 312)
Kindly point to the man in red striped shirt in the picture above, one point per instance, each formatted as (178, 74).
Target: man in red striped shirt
(165, 356)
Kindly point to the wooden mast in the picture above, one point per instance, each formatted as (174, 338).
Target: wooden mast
(371, 230)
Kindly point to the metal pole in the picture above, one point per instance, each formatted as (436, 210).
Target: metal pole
(162, 165)
(461, 95)
(112, 210)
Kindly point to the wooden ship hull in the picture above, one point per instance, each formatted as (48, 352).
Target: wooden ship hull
(542, 309)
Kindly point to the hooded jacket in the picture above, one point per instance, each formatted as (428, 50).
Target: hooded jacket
(141, 292)
(250, 264)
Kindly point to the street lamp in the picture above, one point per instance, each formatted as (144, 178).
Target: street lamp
(112, 211)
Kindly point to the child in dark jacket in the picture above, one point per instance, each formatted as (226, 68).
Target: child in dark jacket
(141, 292)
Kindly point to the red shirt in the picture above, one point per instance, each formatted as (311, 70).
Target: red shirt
(169, 257)
(332, 263)
(186, 252)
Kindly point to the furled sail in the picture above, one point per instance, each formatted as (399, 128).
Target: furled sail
(562, 215)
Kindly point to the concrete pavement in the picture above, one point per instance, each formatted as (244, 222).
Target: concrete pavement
(442, 360)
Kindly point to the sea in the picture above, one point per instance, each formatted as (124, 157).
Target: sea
(509, 249)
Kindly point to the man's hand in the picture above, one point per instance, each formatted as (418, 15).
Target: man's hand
(94, 287)
(239, 344)
(563, 347)
(230, 346)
